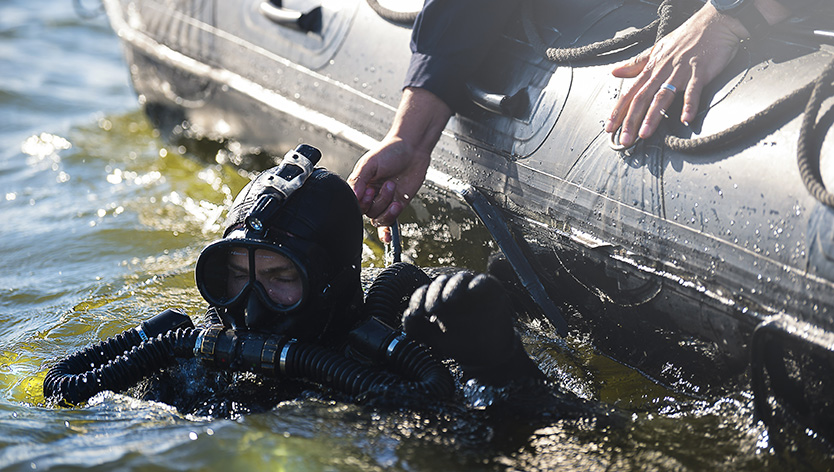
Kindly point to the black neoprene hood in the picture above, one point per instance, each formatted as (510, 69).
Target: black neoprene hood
(323, 211)
(319, 227)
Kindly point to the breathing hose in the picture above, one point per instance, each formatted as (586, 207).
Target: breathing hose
(281, 356)
(122, 361)
(390, 288)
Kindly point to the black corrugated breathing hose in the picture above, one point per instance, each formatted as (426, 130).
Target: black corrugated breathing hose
(394, 284)
(279, 356)
(122, 361)
(116, 364)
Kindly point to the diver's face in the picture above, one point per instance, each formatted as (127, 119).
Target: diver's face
(278, 275)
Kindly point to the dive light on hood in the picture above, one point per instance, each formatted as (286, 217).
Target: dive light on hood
(291, 253)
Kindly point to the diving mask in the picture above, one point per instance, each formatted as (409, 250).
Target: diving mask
(229, 271)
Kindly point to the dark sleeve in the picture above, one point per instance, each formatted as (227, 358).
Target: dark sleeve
(450, 40)
(797, 5)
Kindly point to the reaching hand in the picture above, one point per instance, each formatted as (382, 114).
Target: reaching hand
(468, 318)
(686, 60)
(386, 178)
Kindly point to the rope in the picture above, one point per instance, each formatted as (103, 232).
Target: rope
(670, 15)
(402, 17)
(633, 38)
(785, 106)
(807, 154)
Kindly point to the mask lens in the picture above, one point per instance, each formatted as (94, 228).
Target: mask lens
(226, 273)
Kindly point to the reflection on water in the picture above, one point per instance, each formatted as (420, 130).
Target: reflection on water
(102, 226)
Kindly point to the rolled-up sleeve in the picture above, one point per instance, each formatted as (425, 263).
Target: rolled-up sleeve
(451, 38)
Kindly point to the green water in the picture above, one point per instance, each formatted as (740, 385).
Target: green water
(102, 224)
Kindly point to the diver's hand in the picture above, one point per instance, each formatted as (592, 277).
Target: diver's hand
(688, 58)
(468, 318)
(386, 178)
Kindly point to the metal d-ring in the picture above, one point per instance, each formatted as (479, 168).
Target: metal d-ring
(615, 141)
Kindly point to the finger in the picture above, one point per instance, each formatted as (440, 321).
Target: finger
(390, 214)
(421, 327)
(691, 98)
(382, 200)
(615, 120)
(434, 294)
(454, 289)
(357, 183)
(634, 118)
(661, 102)
(640, 96)
(366, 199)
(417, 322)
(416, 302)
(625, 102)
(485, 285)
(384, 234)
(631, 67)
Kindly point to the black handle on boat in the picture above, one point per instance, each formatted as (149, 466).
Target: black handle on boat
(499, 230)
(508, 105)
(309, 22)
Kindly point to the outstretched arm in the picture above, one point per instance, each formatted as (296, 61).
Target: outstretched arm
(684, 61)
(450, 39)
(386, 178)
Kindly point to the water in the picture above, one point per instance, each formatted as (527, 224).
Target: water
(102, 225)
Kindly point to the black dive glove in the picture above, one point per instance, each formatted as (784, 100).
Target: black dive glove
(468, 318)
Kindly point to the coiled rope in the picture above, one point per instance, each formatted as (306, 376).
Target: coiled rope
(401, 17)
(807, 153)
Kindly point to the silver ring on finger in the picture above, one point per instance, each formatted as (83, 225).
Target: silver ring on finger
(669, 87)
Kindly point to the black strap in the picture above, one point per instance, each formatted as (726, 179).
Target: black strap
(751, 18)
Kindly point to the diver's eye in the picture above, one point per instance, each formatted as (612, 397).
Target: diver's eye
(284, 279)
(237, 279)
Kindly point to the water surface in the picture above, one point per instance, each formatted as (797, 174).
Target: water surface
(102, 224)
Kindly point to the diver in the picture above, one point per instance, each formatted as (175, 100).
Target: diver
(287, 314)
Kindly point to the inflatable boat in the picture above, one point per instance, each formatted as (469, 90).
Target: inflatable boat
(703, 257)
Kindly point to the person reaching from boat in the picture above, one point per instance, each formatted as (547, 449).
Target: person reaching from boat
(686, 60)
(287, 313)
(386, 178)
(448, 44)
(449, 41)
